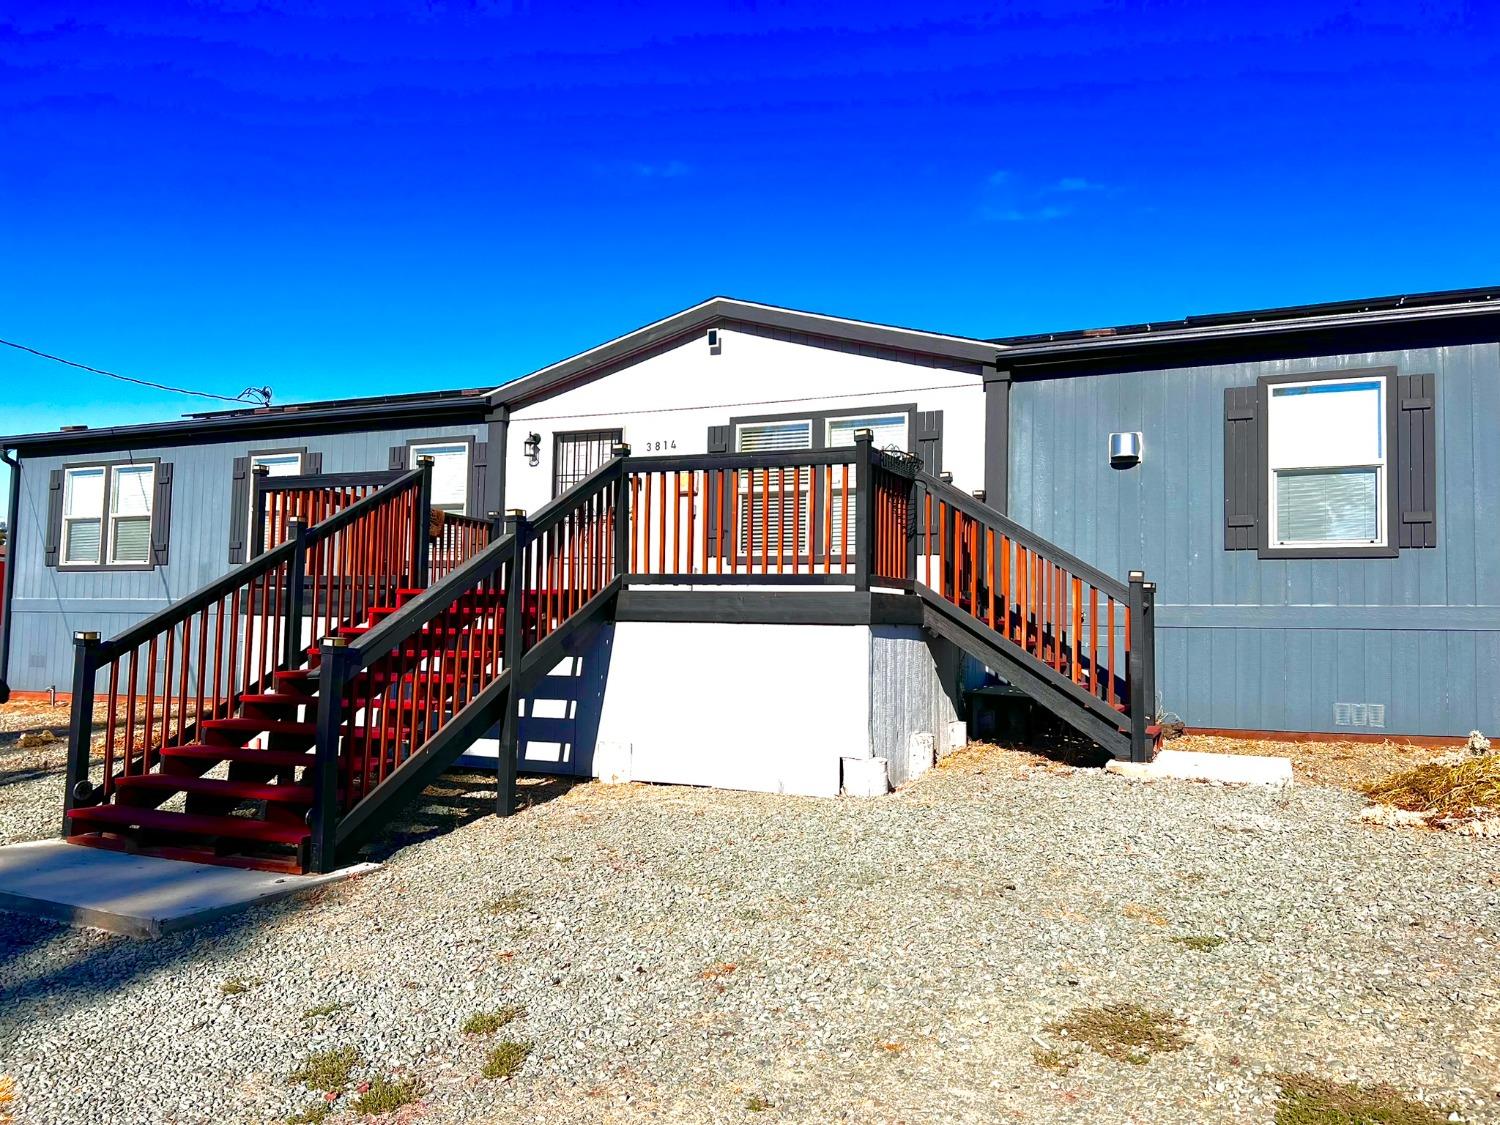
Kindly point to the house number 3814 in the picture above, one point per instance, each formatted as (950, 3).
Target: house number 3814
(661, 446)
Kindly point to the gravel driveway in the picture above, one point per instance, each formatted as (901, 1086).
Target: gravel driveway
(693, 955)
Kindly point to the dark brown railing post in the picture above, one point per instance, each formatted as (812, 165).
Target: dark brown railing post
(1142, 664)
(864, 513)
(296, 574)
(623, 515)
(258, 477)
(515, 636)
(422, 520)
(80, 790)
(324, 814)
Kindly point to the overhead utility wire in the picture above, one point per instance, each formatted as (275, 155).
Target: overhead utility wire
(249, 394)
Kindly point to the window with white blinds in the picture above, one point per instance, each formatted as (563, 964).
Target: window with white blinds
(889, 430)
(773, 437)
(1326, 454)
(83, 515)
(106, 515)
(130, 513)
(450, 473)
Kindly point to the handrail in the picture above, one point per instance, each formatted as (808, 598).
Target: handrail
(388, 700)
(972, 508)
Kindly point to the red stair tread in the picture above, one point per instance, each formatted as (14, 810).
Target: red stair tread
(252, 725)
(214, 787)
(108, 817)
(276, 759)
(264, 699)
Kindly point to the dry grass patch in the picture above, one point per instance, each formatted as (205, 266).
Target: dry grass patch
(1055, 1059)
(1305, 1100)
(1200, 943)
(1123, 1031)
(1447, 792)
(386, 1095)
(7, 1096)
(487, 1023)
(328, 1070)
(509, 904)
(506, 1058)
(1344, 765)
(320, 1010)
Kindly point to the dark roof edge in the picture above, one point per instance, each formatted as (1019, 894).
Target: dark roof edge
(555, 377)
(1208, 330)
(235, 426)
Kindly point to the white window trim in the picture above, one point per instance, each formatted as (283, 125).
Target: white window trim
(105, 559)
(1381, 467)
(417, 449)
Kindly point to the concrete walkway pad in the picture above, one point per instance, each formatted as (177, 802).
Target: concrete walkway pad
(1194, 765)
(136, 895)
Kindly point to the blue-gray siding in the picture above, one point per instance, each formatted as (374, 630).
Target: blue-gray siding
(1274, 644)
(51, 603)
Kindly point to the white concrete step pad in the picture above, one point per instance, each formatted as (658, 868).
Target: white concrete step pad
(136, 895)
(1195, 765)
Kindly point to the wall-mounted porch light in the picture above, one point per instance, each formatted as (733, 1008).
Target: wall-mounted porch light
(532, 447)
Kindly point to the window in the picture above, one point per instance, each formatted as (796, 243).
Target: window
(575, 455)
(1327, 455)
(106, 515)
(762, 515)
(284, 463)
(130, 514)
(450, 473)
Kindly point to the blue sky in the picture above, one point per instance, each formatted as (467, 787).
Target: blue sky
(333, 198)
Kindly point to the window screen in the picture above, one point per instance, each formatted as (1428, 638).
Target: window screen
(576, 455)
(450, 474)
(769, 437)
(889, 430)
(1326, 452)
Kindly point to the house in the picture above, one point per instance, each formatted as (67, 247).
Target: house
(1306, 489)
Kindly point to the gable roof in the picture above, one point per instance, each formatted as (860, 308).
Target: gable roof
(559, 376)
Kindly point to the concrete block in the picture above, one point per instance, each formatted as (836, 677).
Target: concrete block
(866, 777)
(1194, 765)
(920, 754)
(958, 736)
(612, 762)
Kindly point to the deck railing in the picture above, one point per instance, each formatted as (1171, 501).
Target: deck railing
(430, 676)
(196, 659)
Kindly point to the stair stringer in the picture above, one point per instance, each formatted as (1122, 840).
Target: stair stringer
(1053, 691)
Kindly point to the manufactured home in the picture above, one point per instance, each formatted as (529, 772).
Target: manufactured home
(753, 547)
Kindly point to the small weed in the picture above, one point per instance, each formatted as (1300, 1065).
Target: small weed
(487, 1023)
(320, 1010)
(562, 859)
(1124, 1031)
(313, 1114)
(1054, 1058)
(327, 1070)
(716, 972)
(757, 1104)
(1201, 943)
(1305, 1100)
(508, 904)
(387, 1095)
(505, 1059)
(234, 986)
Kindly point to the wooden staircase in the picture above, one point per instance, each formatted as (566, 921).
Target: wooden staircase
(243, 792)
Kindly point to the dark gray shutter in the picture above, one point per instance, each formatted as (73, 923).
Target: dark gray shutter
(398, 461)
(929, 440)
(54, 516)
(1241, 469)
(1416, 460)
(478, 467)
(719, 438)
(239, 509)
(314, 464)
(161, 514)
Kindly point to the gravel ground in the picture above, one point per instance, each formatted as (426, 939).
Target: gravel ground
(695, 955)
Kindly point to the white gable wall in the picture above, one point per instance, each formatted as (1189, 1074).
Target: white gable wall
(666, 402)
